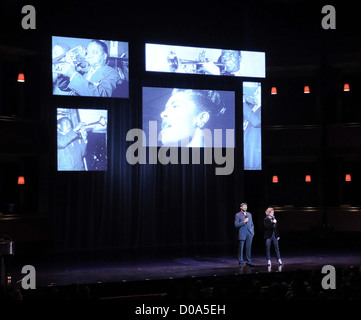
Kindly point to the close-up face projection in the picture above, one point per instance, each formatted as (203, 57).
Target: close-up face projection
(231, 60)
(188, 117)
(181, 118)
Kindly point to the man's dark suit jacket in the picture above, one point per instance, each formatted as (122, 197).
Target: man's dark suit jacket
(245, 228)
(102, 83)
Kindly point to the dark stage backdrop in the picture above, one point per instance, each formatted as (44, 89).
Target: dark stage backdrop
(143, 206)
(132, 206)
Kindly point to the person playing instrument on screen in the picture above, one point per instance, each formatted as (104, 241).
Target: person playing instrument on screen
(72, 145)
(228, 64)
(187, 113)
(100, 80)
(60, 82)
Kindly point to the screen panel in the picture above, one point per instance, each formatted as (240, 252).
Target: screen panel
(90, 67)
(197, 60)
(252, 126)
(188, 117)
(82, 139)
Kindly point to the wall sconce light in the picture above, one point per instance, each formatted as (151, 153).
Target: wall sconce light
(21, 180)
(21, 77)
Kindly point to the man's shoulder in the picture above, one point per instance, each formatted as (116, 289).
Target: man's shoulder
(107, 69)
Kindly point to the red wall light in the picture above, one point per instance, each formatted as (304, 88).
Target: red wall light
(274, 90)
(275, 179)
(308, 178)
(21, 77)
(21, 180)
(346, 87)
(348, 177)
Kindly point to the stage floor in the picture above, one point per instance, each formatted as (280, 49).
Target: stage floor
(63, 271)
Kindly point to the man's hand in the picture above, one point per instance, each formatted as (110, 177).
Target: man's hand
(66, 69)
(79, 126)
(245, 220)
(80, 129)
(210, 68)
(84, 134)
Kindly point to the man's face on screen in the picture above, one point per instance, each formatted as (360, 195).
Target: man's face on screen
(231, 60)
(179, 118)
(95, 55)
(65, 126)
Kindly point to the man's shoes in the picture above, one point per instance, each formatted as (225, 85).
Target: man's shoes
(250, 264)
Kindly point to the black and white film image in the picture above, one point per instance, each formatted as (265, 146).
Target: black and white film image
(90, 67)
(188, 117)
(82, 139)
(252, 126)
(181, 59)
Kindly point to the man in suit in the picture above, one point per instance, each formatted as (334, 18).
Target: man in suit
(100, 80)
(243, 221)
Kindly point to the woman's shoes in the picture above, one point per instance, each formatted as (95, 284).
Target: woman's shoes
(279, 262)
